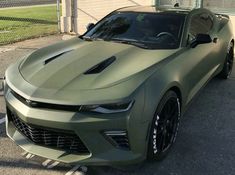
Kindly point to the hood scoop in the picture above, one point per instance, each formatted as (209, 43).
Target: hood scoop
(101, 66)
(56, 56)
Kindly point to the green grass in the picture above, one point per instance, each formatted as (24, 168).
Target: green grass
(23, 23)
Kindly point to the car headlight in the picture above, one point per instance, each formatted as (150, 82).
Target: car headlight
(107, 108)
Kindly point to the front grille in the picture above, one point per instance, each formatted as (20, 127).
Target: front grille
(56, 139)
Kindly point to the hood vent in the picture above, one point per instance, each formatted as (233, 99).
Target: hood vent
(101, 66)
(56, 56)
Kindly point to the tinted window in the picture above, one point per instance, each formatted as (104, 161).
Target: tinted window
(153, 30)
(202, 23)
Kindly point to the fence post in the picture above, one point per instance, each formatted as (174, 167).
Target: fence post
(157, 2)
(58, 15)
(199, 3)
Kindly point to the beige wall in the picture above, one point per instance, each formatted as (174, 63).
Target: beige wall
(91, 11)
(233, 21)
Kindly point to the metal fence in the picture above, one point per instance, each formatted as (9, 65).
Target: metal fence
(25, 19)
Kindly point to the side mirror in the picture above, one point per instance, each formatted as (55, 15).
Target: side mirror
(90, 26)
(1, 86)
(201, 39)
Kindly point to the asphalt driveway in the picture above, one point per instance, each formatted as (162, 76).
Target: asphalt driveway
(205, 144)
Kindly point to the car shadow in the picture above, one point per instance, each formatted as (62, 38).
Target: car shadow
(2, 115)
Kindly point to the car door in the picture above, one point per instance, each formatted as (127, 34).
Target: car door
(199, 61)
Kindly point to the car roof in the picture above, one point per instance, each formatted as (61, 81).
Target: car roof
(155, 9)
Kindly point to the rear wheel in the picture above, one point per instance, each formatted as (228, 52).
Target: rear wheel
(164, 126)
(228, 65)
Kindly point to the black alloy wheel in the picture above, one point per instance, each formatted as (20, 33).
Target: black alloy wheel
(164, 126)
(230, 62)
(228, 65)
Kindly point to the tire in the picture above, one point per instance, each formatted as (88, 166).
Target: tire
(228, 64)
(164, 127)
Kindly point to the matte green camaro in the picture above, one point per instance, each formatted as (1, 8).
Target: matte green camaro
(115, 95)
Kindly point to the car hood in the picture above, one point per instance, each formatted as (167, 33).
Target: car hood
(64, 65)
(58, 72)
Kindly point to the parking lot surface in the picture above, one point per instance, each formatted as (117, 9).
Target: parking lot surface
(205, 144)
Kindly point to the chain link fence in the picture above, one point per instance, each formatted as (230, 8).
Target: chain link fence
(25, 19)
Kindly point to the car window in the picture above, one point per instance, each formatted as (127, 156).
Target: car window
(156, 30)
(200, 24)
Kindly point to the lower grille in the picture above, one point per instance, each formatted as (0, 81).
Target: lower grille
(118, 139)
(56, 139)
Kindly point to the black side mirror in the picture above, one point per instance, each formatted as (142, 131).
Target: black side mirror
(201, 39)
(90, 26)
(1, 86)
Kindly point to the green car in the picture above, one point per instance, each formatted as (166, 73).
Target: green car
(115, 95)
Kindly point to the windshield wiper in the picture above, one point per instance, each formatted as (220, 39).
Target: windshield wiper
(124, 41)
(131, 42)
(88, 38)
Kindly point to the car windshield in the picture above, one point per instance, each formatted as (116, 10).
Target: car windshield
(146, 30)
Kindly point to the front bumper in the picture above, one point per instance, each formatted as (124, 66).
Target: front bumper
(88, 127)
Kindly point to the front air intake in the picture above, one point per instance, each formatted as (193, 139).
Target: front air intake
(118, 138)
(54, 57)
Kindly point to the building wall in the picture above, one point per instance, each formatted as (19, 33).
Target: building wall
(233, 22)
(220, 4)
(92, 11)
(187, 3)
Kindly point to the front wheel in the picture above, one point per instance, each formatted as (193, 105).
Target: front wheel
(164, 127)
(228, 65)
